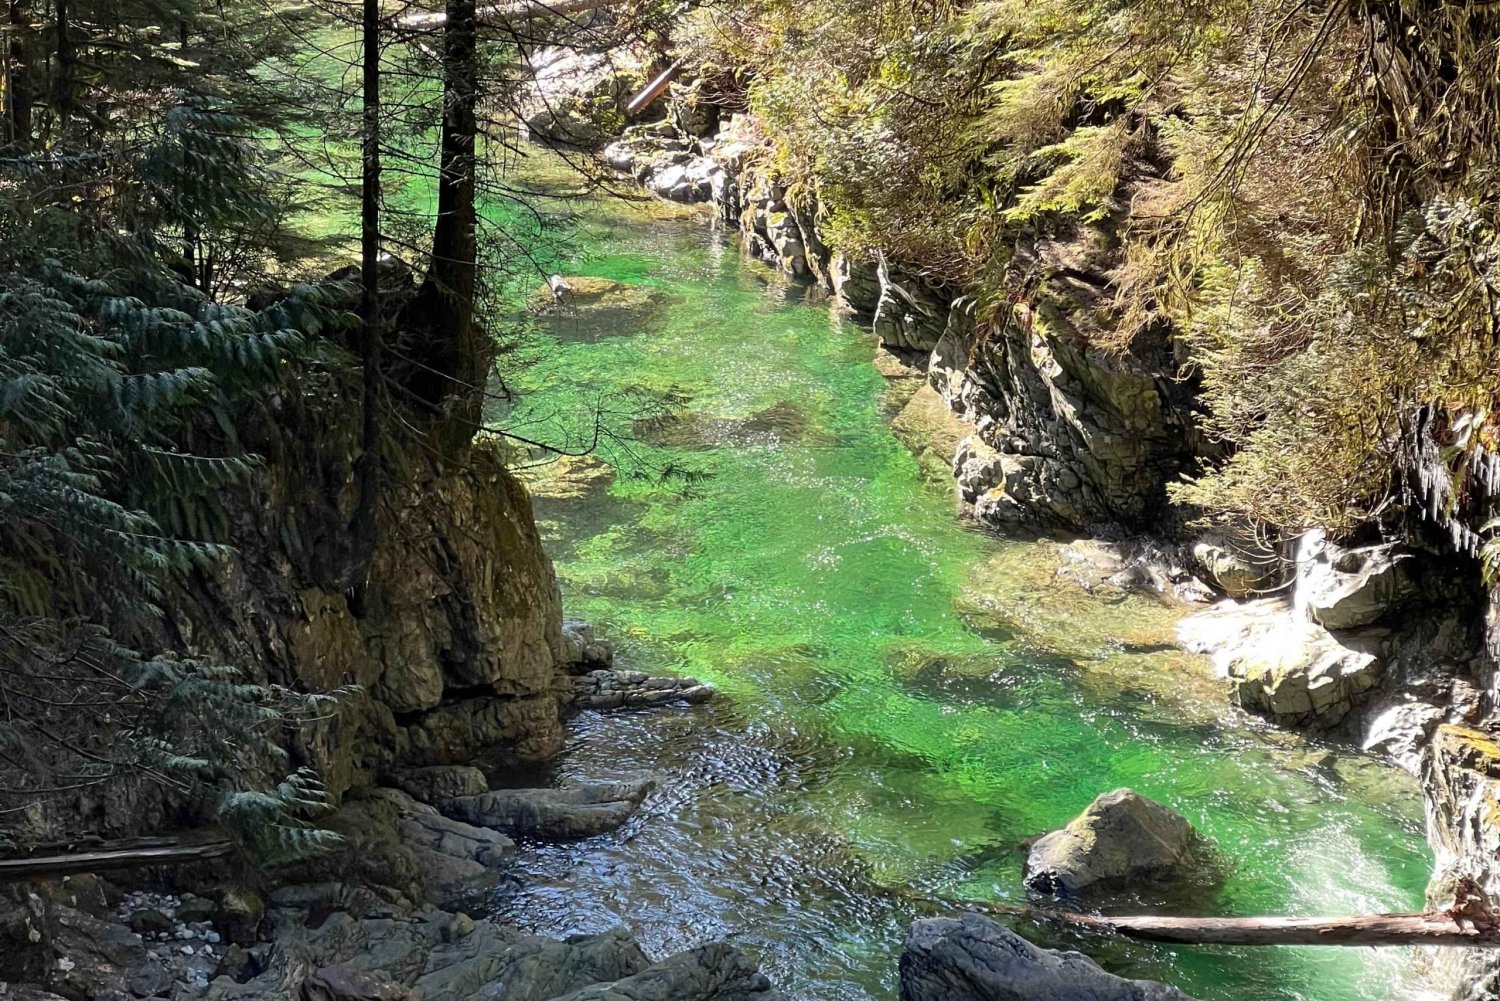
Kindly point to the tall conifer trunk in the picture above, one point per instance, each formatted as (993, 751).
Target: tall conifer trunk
(457, 354)
(364, 527)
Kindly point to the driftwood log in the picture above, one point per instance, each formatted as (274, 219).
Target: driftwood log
(1434, 928)
(654, 89)
(1364, 929)
(113, 856)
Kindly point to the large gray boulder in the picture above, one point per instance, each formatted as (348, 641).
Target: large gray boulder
(1285, 667)
(974, 959)
(580, 810)
(1122, 841)
(1342, 588)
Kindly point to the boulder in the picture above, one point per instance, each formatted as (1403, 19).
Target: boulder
(713, 972)
(496, 963)
(437, 782)
(73, 953)
(974, 959)
(1347, 588)
(1236, 566)
(582, 649)
(149, 921)
(580, 810)
(454, 861)
(1123, 840)
(239, 914)
(193, 910)
(340, 983)
(1285, 667)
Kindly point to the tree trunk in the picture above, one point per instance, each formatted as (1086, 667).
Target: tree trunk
(19, 96)
(67, 59)
(363, 528)
(456, 358)
(1364, 929)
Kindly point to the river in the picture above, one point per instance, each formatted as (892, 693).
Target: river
(904, 700)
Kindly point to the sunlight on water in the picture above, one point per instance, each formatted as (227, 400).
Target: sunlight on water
(905, 701)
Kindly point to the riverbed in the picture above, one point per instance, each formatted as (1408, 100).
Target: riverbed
(904, 700)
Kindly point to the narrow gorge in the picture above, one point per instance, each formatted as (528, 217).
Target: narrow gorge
(823, 501)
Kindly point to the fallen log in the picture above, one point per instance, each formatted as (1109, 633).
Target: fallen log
(654, 89)
(1433, 928)
(153, 851)
(1363, 929)
(510, 13)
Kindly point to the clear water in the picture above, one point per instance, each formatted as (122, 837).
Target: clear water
(905, 700)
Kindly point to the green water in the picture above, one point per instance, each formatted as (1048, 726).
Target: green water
(904, 699)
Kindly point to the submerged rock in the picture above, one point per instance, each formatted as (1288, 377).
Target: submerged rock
(581, 810)
(631, 689)
(974, 959)
(1122, 840)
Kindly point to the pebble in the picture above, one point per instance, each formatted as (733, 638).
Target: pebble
(211, 937)
(187, 950)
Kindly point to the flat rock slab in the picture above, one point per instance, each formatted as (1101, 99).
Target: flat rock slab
(581, 810)
(974, 959)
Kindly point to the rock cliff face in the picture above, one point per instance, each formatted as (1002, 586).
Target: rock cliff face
(454, 644)
(1064, 435)
(1462, 790)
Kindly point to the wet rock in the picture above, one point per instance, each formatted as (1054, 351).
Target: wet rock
(1140, 565)
(1123, 840)
(1347, 588)
(340, 983)
(975, 959)
(494, 962)
(454, 861)
(1237, 567)
(1284, 667)
(527, 728)
(714, 972)
(582, 650)
(437, 782)
(236, 964)
(578, 811)
(636, 689)
(1461, 787)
